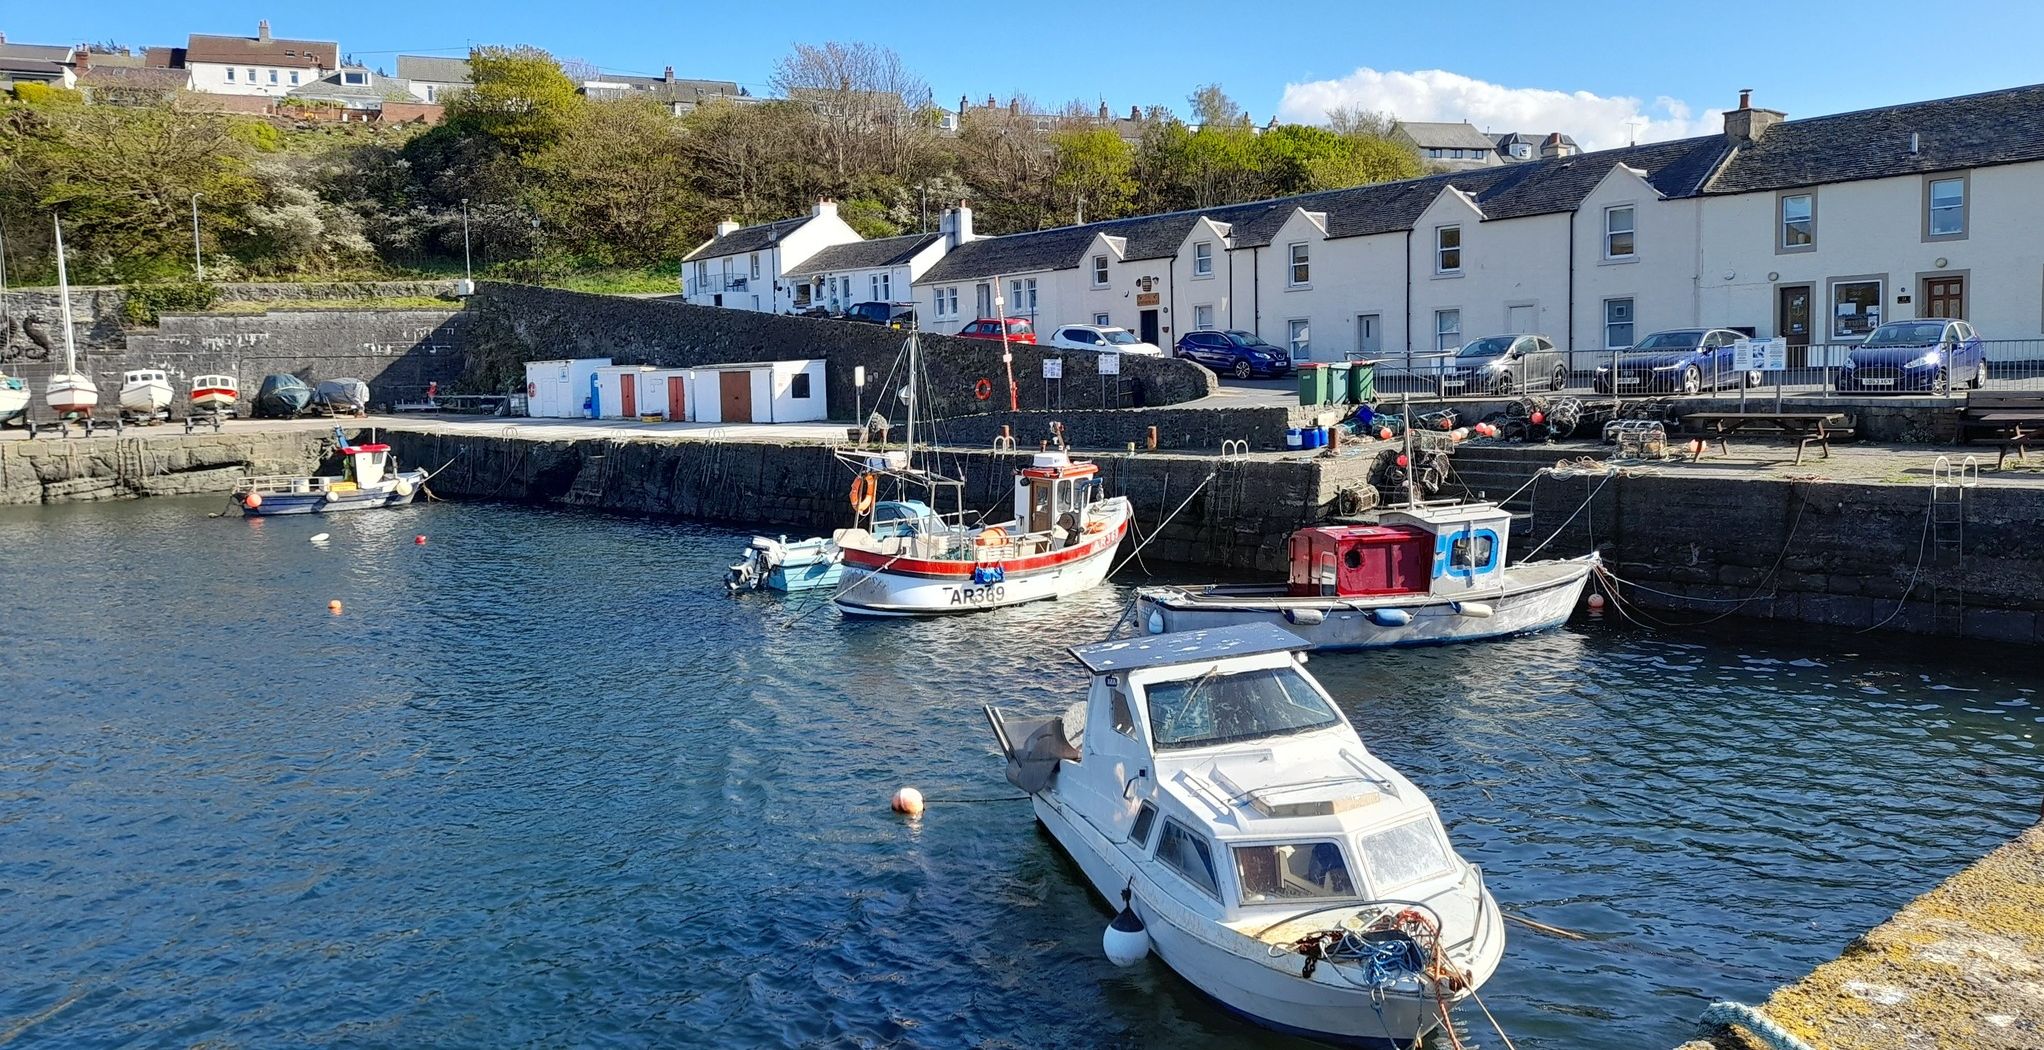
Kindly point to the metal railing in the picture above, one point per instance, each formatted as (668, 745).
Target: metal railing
(1815, 369)
(716, 283)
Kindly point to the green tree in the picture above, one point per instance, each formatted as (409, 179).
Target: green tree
(1092, 171)
(615, 185)
(518, 99)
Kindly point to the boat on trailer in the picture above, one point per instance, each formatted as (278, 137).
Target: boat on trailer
(71, 394)
(212, 399)
(369, 480)
(1424, 574)
(145, 395)
(1211, 789)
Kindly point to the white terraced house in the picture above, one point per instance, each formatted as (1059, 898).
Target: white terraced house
(257, 65)
(1813, 229)
(882, 270)
(793, 265)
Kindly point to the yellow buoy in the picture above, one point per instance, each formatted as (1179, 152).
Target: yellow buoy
(334, 606)
(909, 801)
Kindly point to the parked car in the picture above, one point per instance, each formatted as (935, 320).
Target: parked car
(1920, 355)
(1504, 365)
(1682, 361)
(1102, 339)
(893, 315)
(1019, 330)
(1236, 353)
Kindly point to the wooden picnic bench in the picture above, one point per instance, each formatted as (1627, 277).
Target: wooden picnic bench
(1807, 428)
(2011, 418)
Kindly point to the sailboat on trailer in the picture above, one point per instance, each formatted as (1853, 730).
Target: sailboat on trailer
(70, 392)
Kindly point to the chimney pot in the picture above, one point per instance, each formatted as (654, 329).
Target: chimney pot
(1135, 113)
(669, 74)
(81, 58)
(1745, 98)
(263, 30)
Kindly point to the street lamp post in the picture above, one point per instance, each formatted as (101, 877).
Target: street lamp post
(198, 260)
(467, 270)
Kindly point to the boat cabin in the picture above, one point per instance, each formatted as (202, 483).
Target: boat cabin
(1229, 774)
(1053, 493)
(1441, 549)
(213, 384)
(144, 376)
(364, 465)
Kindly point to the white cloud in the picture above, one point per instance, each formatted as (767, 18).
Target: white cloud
(1594, 121)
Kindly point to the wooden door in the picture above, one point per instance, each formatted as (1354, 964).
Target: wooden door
(677, 399)
(1369, 335)
(628, 395)
(1147, 322)
(1792, 322)
(735, 395)
(1944, 297)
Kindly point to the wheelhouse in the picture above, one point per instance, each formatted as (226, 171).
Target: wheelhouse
(1421, 549)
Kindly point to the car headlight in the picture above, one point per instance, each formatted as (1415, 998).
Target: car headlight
(1498, 366)
(1929, 360)
(1668, 368)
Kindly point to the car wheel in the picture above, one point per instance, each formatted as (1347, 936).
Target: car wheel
(1941, 383)
(1503, 387)
(1692, 380)
(1979, 375)
(1560, 378)
(1242, 369)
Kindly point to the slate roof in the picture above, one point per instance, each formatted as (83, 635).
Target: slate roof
(1458, 135)
(164, 57)
(865, 255)
(1506, 140)
(276, 51)
(1971, 131)
(749, 238)
(38, 59)
(140, 78)
(1534, 187)
(430, 68)
(376, 90)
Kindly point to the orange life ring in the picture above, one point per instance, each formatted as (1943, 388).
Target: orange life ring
(863, 493)
(983, 389)
(992, 535)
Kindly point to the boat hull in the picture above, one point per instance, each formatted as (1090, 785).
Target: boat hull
(213, 400)
(145, 399)
(886, 587)
(71, 393)
(1255, 989)
(1534, 598)
(814, 576)
(275, 504)
(13, 398)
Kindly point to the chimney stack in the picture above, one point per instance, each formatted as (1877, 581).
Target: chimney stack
(955, 225)
(668, 75)
(263, 30)
(824, 206)
(1135, 113)
(81, 59)
(1746, 124)
(726, 228)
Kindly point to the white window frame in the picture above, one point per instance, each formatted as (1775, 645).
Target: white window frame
(1100, 271)
(1299, 338)
(1630, 231)
(1298, 255)
(1931, 209)
(230, 74)
(1101, 321)
(755, 266)
(1441, 250)
(1781, 223)
(1203, 259)
(1203, 317)
(1443, 330)
(273, 76)
(882, 287)
(294, 83)
(1631, 324)
(1022, 296)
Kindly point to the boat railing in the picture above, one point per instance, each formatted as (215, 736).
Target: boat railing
(279, 484)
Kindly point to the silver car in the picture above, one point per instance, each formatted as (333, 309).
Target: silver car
(1504, 365)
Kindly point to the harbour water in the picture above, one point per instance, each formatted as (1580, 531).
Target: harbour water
(543, 784)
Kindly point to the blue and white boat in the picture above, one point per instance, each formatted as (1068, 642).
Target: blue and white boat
(786, 565)
(368, 481)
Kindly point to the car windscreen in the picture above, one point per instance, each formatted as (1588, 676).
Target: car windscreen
(1670, 341)
(1246, 705)
(1118, 337)
(1920, 334)
(1248, 339)
(1490, 347)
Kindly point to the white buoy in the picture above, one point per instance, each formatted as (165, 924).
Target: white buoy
(321, 538)
(1156, 623)
(1476, 610)
(908, 801)
(1126, 941)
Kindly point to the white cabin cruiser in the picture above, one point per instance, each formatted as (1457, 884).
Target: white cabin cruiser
(146, 395)
(1211, 785)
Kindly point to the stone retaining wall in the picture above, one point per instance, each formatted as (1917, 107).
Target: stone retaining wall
(31, 319)
(60, 471)
(519, 323)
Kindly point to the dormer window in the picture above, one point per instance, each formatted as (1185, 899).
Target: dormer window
(1521, 150)
(354, 78)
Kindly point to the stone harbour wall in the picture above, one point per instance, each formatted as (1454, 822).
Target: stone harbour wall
(63, 471)
(31, 319)
(518, 323)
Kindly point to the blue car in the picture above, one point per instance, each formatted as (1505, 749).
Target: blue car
(1924, 355)
(1683, 361)
(1235, 353)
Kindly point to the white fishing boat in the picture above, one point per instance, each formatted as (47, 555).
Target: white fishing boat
(1425, 574)
(146, 394)
(1211, 788)
(13, 397)
(70, 392)
(214, 393)
(368, 480)
(922, 562)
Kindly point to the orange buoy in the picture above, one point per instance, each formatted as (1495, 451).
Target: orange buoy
(334, 606)
(1595, 602)
(865, 491)
(1403, 460)
(908, 801)
(1384, 434)
(252, 500)
(1538, 418)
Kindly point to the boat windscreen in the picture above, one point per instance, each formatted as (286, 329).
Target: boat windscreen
(1225, 708)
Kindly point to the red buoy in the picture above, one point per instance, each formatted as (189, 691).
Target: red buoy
(1403, 460)
(419, 540)
(1539, 418)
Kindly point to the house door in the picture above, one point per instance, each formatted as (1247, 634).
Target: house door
(1369, 335)
(677, 398)
(628, 395)
(1148, 323)
(734, 391)
(1944, 297)
(1520, 318)
(1792, 322)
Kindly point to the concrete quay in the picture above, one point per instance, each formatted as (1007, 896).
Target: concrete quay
(1959, 968)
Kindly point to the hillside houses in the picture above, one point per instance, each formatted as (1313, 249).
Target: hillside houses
(814, 261)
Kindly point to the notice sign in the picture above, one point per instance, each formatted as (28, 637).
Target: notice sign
(1145, 300)
(1053, 368)
(1760, 355)
(1110, 364)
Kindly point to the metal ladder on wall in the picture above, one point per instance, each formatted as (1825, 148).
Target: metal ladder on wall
(1948, 506)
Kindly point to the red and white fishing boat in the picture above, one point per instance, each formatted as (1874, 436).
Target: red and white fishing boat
(905, 558)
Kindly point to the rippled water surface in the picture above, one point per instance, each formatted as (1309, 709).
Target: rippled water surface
(543, 784)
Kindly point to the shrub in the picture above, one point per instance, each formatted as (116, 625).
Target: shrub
(146, 302)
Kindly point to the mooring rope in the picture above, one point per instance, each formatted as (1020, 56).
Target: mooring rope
(1727, 1014)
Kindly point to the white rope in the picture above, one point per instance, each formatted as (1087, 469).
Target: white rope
(1728, 1014)
(1587, 500)
(1922, 547)
(1159, 530)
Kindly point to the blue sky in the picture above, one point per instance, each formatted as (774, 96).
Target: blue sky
(1599, 71)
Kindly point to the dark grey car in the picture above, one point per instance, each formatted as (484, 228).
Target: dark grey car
(1504, 365)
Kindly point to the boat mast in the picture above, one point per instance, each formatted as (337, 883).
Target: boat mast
(1411, 464)
(64, 296)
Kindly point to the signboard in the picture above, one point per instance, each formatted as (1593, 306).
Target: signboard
(1053, 368)
(1145, 283)
(1145, 300)
(1110, 364)
(1760, 355)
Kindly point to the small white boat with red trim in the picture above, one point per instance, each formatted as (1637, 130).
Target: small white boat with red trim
(1061, 541)
(369, 480)
(212, 400)
(1212, 790)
